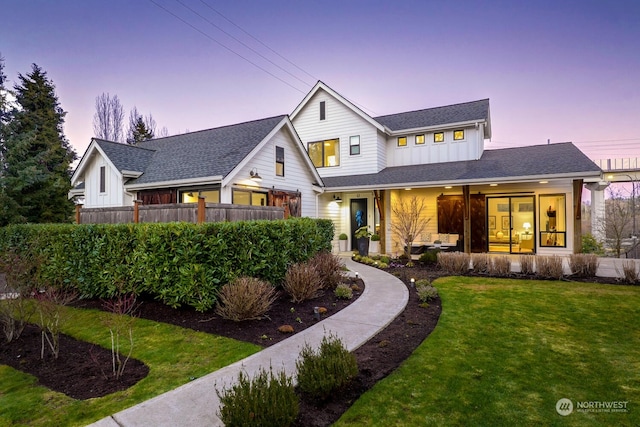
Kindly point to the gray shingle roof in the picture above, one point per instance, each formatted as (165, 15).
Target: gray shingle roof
(212, 152)
(126, 157)
(508, 163)
(467, 111)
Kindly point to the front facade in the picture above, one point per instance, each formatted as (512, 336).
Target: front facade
(329, 159)
(520, 200)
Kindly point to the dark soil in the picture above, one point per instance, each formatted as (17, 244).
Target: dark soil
(83, 371)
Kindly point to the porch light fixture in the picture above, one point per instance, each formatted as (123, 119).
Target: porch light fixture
(448, 187)
(337, 199)
(493, 185)
(544, 182)
(254, 175)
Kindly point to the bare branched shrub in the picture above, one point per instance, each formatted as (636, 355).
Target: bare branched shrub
(302, 282)
(500, 266)
(330, 268)
(454, 262)
(527, 264)
(480, 263)
(549, 267)
(15, 310)
(120, 323)
(408, 223)
(631, 273)
(49, 305)
(583, 265)
(245, 298)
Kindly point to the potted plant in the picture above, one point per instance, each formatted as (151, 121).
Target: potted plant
(362, 238)
(344, 242)
(374, 245)
(437, 243)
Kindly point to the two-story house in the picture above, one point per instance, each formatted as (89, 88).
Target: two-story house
(518, 200)
(330, 159)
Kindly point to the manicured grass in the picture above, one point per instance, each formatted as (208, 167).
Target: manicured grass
(505, 351)
(174, 355)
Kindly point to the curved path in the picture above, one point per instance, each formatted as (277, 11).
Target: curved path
(196, 403)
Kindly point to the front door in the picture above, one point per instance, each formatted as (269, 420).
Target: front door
(358, 215)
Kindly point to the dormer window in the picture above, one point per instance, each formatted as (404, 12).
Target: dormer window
(438, 137)
(458, 135)
(323, 110)
(419, 139)
(402, 141)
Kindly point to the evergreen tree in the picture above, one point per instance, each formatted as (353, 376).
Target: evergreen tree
(37, 155)
(140, 128)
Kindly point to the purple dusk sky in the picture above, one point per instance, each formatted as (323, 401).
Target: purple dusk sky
(558, 70)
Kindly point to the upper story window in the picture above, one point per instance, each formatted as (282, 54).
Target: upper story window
(323, 110)
(279, 161)
(354, 145)
(419, 139)
(438, 137)
(402, 141)
(458, 135)
(103, 179)
(325, 153)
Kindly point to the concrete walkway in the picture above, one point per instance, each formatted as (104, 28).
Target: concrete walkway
(196, 403)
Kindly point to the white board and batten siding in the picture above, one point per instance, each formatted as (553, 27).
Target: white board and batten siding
(470, 148)
(340, 123)
(297, 176)
(114, 194)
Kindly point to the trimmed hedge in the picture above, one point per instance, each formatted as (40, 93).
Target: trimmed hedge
(177, 263)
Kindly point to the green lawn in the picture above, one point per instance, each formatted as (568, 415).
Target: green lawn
(174, 356)
(505, 351)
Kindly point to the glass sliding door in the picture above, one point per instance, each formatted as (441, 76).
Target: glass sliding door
(510, 224)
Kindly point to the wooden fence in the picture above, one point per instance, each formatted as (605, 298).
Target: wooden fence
(179, 212)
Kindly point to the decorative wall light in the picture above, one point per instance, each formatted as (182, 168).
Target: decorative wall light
(337, 199)
(254, 175)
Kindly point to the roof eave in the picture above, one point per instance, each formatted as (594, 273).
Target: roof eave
(446, 126)
(175, 183)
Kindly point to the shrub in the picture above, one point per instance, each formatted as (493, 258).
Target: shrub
(385, 259)
(480, 263)
(375, 238)
(583, 265)
(15, 310)
(267, 399)
(454, 262)
(330, 268)
(527, 263)
(302, 282)
(631, 272)
(343, 291)
(500, 266)
(591, 245)
(50, 319)
(323, 372)
(549, 267)
(246, 298)
(426, 292)
(430, 256)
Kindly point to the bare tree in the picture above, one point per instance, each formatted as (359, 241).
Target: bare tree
(108, 120)
(617, 221)
(164, 132)
(408, 223)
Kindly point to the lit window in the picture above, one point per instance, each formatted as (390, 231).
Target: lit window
(354, 145)
(438, 137)
(279, 161)
(419, 139)
(249, 198)
(325, 153)
(191, 196)
(402, 141)
(103, 179)
(458, 135)
(323, 110)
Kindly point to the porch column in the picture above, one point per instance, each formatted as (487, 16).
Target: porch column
(597, 209)
(577, 215)
(379, 196)
(467, 219)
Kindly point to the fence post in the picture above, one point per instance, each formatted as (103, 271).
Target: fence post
(201, 209)
(78, 207)
(136, 211)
